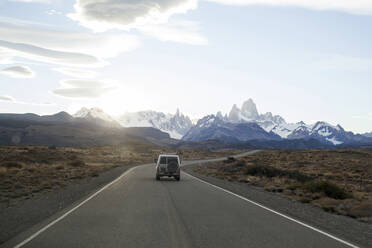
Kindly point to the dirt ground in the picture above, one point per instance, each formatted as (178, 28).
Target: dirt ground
(338, 181)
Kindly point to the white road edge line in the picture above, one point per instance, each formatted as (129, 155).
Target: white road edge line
(275, 212)
(73, 209)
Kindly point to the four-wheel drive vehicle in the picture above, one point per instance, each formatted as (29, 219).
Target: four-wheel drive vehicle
(168, 165)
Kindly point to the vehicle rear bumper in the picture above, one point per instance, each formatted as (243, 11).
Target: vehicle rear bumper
(164, 174)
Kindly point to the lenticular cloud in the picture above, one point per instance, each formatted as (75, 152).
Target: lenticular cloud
(101, 15)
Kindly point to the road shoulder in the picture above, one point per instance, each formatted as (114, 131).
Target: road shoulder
(337, 225)
(28, 213)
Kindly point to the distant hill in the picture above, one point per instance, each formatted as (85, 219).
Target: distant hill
(254, 144)
(369, 135)
(63, 129)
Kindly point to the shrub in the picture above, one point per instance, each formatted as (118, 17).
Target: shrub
(329, 209)
(60, 167)
(364, 209)
(77, 163)
(262, 171)
(230, 159)
(240, 164)
(229, 169)
(305, 200)
(11, 164)
(270, 171)
(329, 189)
(298, 176)
(94, 174)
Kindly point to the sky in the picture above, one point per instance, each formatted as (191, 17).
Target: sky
(306, 60)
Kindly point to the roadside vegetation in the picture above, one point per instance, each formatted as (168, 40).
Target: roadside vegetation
(338, 181)
(27, 171)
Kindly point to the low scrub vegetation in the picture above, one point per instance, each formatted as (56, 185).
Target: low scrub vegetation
(338, 181)
(26, 171)
(328, 189)
(270, 171)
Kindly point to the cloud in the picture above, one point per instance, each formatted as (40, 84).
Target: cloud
(359, 7)
(77, 72)
(77, 83)
(176, 31)
(18, 72)
(346, 63)
(5, 57)
(66, 48)
(101, 15)
(49, 56)
(53, 12)
(6, 98)
(32, 1)
(76, 88)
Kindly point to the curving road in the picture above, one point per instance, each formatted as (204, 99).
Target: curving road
(137, 211)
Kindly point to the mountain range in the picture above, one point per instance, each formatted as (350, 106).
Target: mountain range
(242, 127)
(176, 125)
(229, 127)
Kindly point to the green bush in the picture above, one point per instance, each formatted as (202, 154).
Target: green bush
(329, 189)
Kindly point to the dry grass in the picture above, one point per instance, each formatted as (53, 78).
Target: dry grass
(31, 170)
(338, 181)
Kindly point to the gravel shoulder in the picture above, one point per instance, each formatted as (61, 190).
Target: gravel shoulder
(343, 227)
(27, 213)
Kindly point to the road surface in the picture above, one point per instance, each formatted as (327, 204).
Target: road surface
(138, 211)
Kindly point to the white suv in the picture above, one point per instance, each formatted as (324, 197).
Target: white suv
(168, 165)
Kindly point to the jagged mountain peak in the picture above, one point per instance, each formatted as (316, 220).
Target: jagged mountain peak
(95, 113)
(234, 114)
(249, 109)
(321, 130)
(176, 125)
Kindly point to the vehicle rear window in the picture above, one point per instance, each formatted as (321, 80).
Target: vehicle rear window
(172, 159)
(163, 160)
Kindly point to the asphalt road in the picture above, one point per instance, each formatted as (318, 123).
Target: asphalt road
(138, 211)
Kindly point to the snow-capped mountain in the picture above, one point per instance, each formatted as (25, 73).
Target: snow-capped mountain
(239, 125)
(176, 125)
(97, 115)
(274, 125)
(215, 127)
(249, 113)
(322, 131)
(93, 113)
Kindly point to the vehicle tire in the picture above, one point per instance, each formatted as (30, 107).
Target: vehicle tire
(177, 178)
(172, 167)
